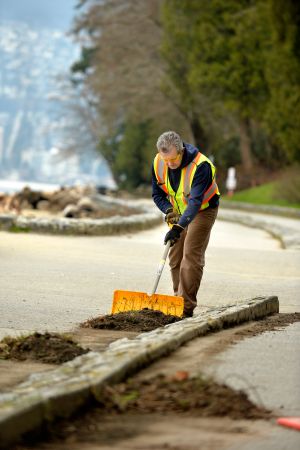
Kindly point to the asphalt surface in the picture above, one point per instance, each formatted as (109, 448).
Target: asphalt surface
(55, 282)
(267, 367)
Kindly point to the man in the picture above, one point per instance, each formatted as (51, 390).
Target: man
(184, 188)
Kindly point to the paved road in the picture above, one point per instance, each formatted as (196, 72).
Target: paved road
(55, 282)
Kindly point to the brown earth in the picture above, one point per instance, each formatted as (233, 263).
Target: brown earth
(123, 406)
(147, 320)
(167, 416)
(13, 371)
(49, 348)
(120, 424)
(144, 320)
(179, 394)
(271, 323)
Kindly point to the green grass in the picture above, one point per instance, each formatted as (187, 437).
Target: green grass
(261, 195)
(16, 229)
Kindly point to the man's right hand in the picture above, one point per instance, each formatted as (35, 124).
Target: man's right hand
(172, 217)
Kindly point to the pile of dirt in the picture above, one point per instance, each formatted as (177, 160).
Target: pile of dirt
(50, 348)
(125, 409)
(180, 394)
(143, 320)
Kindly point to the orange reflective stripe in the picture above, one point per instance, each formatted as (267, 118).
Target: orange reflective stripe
(185, 192)
(160, 169)
(211, 191)
(188, 174)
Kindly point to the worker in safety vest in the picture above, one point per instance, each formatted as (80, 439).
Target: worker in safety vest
(184, 188)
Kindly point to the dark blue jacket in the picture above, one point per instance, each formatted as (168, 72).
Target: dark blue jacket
(201, 182)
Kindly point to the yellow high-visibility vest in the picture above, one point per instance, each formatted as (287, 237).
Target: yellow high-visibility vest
(179, 199)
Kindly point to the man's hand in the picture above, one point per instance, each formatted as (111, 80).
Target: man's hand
(172, 217)
(173, 235)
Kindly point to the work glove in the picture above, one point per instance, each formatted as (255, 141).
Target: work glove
(172, 216)
(173, 235)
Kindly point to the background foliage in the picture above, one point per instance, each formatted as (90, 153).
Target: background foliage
(225, 74)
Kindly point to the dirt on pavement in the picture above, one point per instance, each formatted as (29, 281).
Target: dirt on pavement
(54, 348)
(143, 320)
(154, 411)
(49, 348)
(270, 323)
(124, 405)
(180, 394)
(147, 320)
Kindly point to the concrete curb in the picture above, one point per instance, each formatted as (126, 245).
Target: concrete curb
(58, 393)
(86, 227)
(91, 227)
(289, 238)
(263, 209)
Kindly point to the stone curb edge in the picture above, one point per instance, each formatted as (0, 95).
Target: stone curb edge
(91, 227)
(263, 209)
(58, 393)
(288, 237)
(86, 227)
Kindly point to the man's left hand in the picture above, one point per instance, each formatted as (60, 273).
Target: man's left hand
(173, 235)
(172, 217)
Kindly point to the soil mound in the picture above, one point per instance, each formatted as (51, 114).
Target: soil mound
(180, 394)
(50, 348)
(144, 320)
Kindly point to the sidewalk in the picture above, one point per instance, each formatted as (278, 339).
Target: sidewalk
(268, 369)
(285, 229)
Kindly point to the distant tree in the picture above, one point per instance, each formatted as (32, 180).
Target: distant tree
(121, 66)
(221, 44)
(176, 51)
(224, 73)
(285, 17)
(282, 116)
(129, 153)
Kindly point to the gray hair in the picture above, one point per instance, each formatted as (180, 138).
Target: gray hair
(169, 139)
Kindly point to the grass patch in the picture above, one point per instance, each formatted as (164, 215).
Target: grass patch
(16, 229)
(266, 194)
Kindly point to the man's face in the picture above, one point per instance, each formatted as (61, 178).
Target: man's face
(172, 158)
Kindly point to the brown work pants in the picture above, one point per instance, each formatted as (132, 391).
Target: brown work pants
(187, 258)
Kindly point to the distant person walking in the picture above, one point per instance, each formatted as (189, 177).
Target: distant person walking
(231, 181)
(184, 188)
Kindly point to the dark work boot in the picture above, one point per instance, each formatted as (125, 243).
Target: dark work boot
(187, 313)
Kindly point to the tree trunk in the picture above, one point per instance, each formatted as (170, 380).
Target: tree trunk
(245, 146)
(198, 133)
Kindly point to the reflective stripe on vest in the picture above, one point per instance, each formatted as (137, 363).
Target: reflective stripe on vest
(160, 169)
(179, 200)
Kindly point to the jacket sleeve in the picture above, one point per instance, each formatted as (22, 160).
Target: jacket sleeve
(201, 182)
(159, 196)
